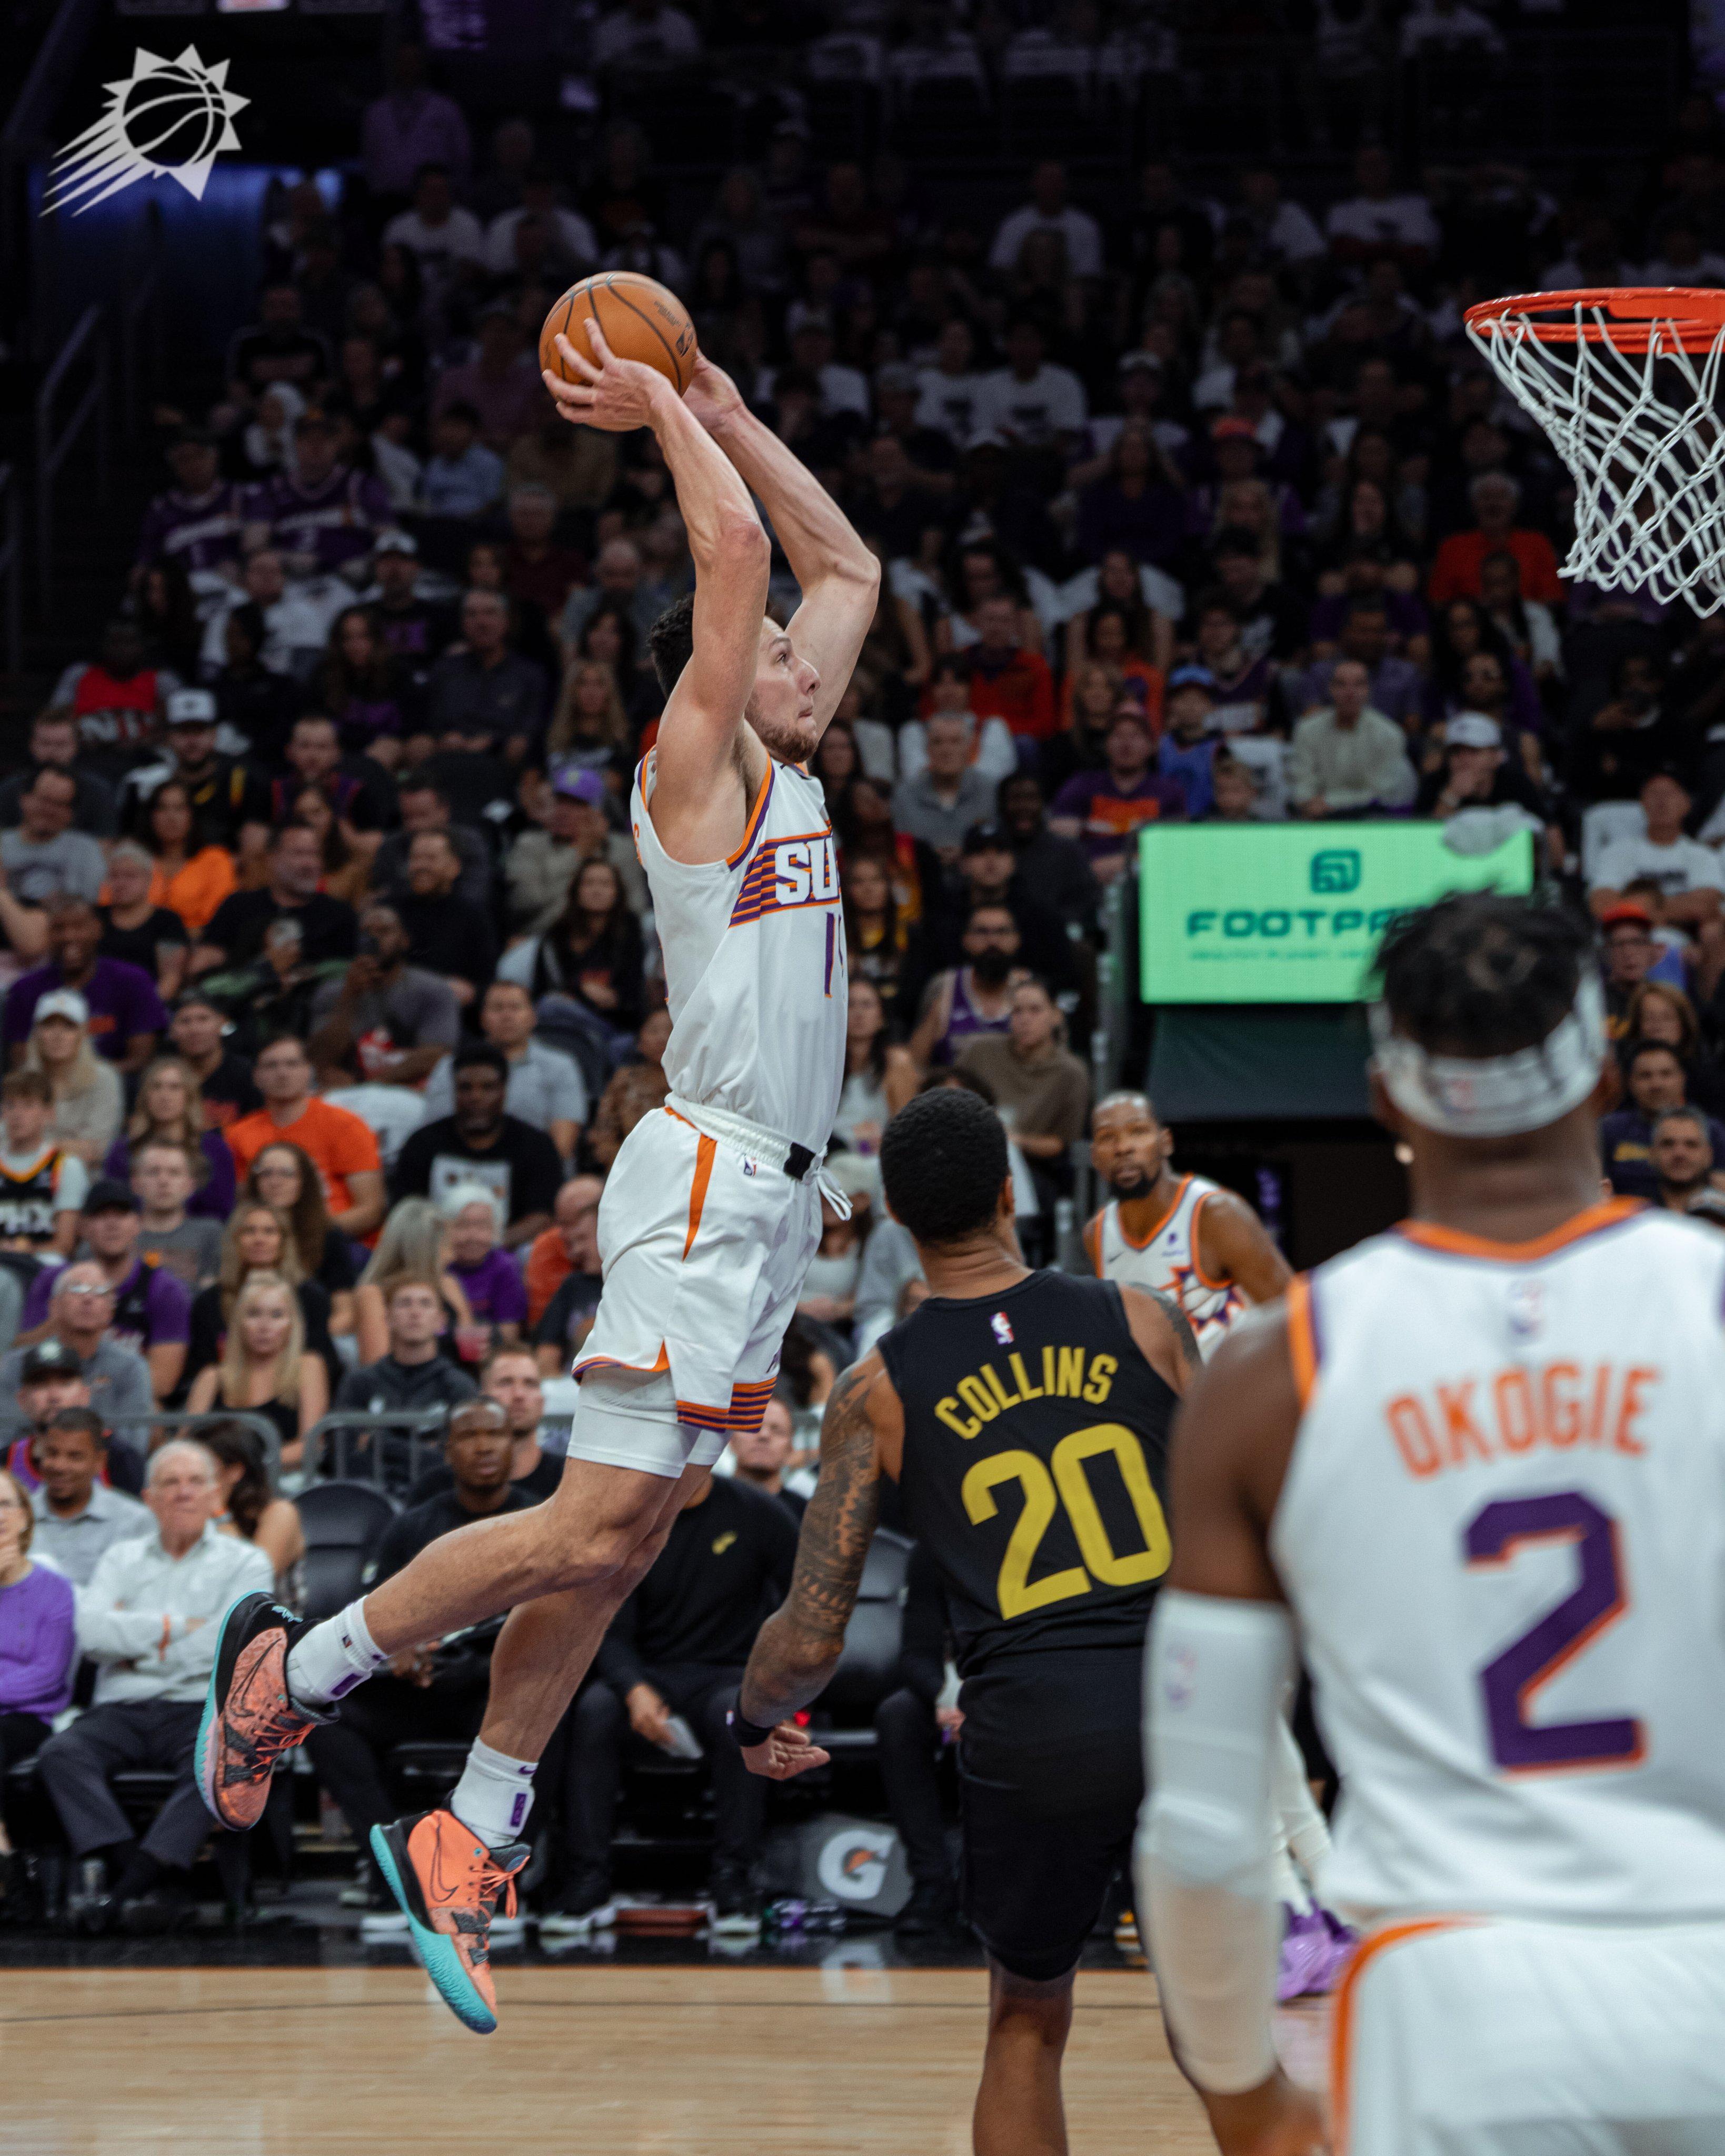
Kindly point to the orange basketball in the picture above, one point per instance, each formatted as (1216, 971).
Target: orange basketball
(637, 317)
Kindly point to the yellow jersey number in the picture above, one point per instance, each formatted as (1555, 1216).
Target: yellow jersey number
(1069, 1483)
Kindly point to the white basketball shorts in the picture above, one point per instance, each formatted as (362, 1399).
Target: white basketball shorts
(1501, 2037)
(705, 1249)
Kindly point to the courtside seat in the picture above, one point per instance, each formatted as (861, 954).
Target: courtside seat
(341, 1521)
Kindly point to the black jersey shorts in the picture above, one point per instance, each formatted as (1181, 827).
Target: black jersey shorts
(1051, 1765)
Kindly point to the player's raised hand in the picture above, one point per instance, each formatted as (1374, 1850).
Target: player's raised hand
(787, 1752)
(1274, 2119)
(711, 395)
(615, 395)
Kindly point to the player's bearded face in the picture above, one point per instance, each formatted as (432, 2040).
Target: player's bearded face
(781, 707)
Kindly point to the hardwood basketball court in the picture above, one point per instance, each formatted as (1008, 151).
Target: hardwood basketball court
(712, 2060)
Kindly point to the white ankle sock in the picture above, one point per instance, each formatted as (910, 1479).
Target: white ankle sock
(494, 1794)
(332, 1658)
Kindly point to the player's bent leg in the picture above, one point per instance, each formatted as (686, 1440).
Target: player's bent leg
(449, 1869)
(1018, 2111)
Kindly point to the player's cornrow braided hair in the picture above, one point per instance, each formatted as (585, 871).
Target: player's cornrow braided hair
(1481, 974)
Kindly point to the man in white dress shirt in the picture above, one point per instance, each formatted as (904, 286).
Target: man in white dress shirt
(147, 1619)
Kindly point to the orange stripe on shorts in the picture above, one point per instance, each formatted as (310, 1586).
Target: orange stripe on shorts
(705, 1149)
(1342, 2026)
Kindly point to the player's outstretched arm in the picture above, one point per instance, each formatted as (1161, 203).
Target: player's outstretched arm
(840, 578)
(699, 788)
(1234, 1244)
(797, 1645)
(1219, 1652)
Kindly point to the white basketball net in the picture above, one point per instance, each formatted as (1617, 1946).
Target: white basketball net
(1644, 439)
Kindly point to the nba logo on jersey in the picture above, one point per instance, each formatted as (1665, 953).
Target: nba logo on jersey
(752, 1167)
(1526, 1308)
(1001, 1326)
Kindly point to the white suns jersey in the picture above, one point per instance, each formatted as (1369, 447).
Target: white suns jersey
(1502, 1530)
(1169, 1264)
(754, 961)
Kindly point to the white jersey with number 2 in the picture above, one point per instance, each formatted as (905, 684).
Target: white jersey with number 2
(1502, 1529)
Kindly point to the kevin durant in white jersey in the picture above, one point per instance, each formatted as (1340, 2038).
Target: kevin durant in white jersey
(711, 1212)
(1476, 1467)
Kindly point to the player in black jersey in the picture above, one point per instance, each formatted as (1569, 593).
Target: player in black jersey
(1025, 1416)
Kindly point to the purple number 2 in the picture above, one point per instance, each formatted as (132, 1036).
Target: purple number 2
(1511, 1682)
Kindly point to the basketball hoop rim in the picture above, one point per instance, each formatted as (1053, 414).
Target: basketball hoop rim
(1693, 316)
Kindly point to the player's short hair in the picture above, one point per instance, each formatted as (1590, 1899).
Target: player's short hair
(1480, 973)
(671, 641)
(943, 1160)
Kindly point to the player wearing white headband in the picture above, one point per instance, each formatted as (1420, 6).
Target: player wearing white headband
(1478, 1465)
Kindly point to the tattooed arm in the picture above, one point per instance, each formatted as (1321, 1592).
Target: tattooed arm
(797, 1645)
(1163, 1335)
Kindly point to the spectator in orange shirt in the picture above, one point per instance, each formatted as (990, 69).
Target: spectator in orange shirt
(1455, 574)
(341, 1146)
(552, 1258)
(1006, 681)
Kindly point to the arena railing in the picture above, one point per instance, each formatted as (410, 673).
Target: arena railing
(54, 445)
(331, 1449)
(12, 569)
(146, 1430)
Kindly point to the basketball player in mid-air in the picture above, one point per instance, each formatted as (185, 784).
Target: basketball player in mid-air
(1479, 1462)
(1025, 1416)
(1186, 1237)
(711, 1212)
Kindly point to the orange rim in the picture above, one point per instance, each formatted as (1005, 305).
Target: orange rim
(1691, 316)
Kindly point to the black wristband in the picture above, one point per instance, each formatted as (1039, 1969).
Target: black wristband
(748, 1734)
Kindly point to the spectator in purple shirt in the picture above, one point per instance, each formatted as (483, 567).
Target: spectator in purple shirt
(198, 522)
(489, 1277)
(320, 515)
(127, 1015)
(37, 1645)
(151, 1309)
(1102, 808)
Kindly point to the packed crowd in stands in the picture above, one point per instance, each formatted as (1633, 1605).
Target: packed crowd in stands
(331, 984)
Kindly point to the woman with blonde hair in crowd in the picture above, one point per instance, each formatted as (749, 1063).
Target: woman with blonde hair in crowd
(258, 1239)
(412, 1245)
(88, 1101)
(250, 1509)
(170, 1112)
(589, 725)
(264, 1368)
(283, 1175)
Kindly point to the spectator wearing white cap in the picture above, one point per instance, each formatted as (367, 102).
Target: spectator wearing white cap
(1481, 793)
(87, 1100)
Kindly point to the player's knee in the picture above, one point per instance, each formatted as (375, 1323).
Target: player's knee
(1032, 2007)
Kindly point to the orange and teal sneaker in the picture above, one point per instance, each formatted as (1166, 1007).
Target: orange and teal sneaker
(450, 1884)
(248, 1721)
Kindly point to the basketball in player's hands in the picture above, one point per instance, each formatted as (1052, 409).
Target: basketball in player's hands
(637, 318)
